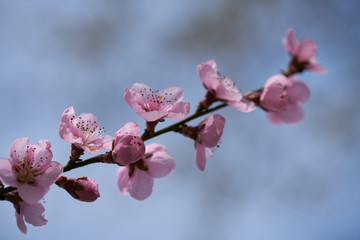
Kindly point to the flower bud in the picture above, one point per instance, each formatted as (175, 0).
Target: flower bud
(81, 188)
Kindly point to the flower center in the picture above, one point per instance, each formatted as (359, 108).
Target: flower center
(156, 100)
(25, 172)
(88, 129)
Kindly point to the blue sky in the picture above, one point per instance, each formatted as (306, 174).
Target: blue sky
(263, 182)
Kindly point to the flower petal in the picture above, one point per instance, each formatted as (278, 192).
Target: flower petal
(293, 114)
(179, 110)
(227, 90)
(30, 193)
(140, 185)
(210, 135)
(244, 105)
(306, 51)
(298, 92)
(19, 150)
(33, 214)
(160, 163)
(67, 127)
(208, 74)
(42, 153)
(6, 173)
(134, 98)
(122, 177)
(51, 174)
(290, 42)
(316, 68)
(129, 128)
(107, 142)
(20, 222)
(153, 115)
(202, 154)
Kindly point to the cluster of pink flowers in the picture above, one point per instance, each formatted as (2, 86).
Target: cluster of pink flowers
(30, 171)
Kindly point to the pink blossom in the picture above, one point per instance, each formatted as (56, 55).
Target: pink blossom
(128, 146)
(138, 179)
(304, 51)
(154, 105)
(283, 97)
(211, 130)
(83, 131)
(81, 188)
(225, 89)
(32, 213)
(30, 169)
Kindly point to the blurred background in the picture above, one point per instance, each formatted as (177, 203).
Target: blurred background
(265, 181)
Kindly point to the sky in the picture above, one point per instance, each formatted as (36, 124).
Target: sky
(265, 181)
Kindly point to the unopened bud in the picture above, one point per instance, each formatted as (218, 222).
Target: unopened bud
(81, 188)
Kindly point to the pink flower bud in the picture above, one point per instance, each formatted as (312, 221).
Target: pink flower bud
(128, 146)
(81, 188)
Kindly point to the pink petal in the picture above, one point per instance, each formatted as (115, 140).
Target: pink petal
(227, 90)
(273, 97)
(244, 105)
(20, 222)
(42, 154)
(67, 128)
(30, 193)
(160, 163)
(50, 175)
(107, 142)
(179, 110)
(6, 173)
(208, 75)
(172, 94)
(274, 117)
(155, 147)
(298, 92)
(213, 64)
(278, 79)
(211, 134)
(293, 114)
(122, 177)
(316, 67)
(202, 154)
(140, 185)
(129, 128)
(290, 42)
(306, 51)
(19, 150)
(33, 214)
(94, 146)
(153, 115)
(135, 99)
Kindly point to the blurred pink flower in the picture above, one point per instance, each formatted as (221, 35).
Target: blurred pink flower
(225, 89)
(138, 179)
(154, 105)
(128, 146)
(32, 213)
(283, 97)
(303, 50)
(211, 130)
(30, 169)
(83, 131)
